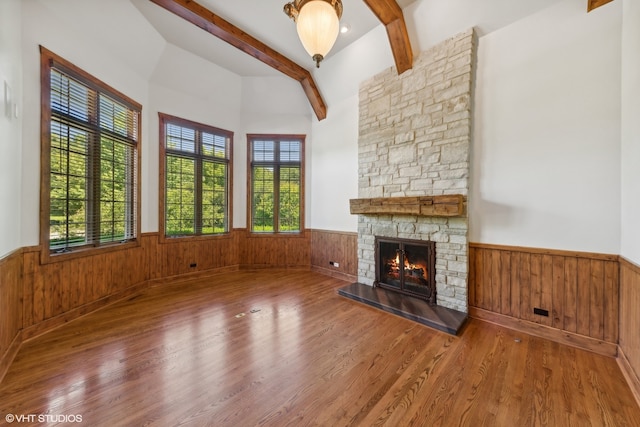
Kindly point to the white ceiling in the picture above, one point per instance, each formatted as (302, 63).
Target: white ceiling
(266, 21)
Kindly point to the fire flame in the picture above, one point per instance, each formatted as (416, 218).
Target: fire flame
(407, 265)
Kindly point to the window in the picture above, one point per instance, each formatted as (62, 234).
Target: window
(90, 135)
(277, 183)
(195, 163)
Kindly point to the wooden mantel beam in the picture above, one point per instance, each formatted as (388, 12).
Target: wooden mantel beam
(440, 206)
(224, 30)
(390, 14)
(593, 4)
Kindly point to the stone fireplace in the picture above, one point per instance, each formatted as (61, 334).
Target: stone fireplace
(413, 154)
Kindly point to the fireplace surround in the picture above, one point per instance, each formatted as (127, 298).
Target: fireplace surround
(413, 163)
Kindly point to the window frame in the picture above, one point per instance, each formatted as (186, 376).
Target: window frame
(276, 138)
(49, 61)
(165, 119)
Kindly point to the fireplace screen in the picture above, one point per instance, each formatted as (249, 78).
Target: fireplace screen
(406, 266)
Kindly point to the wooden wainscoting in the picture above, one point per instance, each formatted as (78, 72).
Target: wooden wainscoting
(194, 257)
(10, 308)
(579, 290)
(335, 247)
(629, 345)
(274, 250)
(59, 291)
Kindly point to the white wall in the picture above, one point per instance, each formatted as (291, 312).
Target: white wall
(430, 22)
(186, 86)
(546, 150)
(334, 175)
(10, 127)
(334, 160)
(631, 130)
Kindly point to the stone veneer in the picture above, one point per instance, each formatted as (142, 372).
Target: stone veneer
(414, 140)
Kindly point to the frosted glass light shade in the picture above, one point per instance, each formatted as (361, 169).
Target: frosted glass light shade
(318, 26)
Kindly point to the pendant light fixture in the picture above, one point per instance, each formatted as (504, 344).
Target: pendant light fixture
(318, 24)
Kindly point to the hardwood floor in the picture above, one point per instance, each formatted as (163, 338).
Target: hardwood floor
(281, 348)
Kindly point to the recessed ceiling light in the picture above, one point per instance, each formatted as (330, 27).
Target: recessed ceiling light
(345, 28)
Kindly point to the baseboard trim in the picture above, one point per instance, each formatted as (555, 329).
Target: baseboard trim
(192, 276)
(629, 374)
(10, 354)
(336, 274)
(302, 267)
(546, 332)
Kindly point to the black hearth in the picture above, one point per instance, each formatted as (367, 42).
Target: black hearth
(406, 266)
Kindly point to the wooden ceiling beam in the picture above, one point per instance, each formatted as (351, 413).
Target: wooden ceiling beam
(391, 16)
(202, 17)
(593, 4)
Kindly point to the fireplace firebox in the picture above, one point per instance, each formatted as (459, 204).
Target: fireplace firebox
(406, 266)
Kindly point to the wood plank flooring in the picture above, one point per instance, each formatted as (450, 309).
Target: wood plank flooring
(281, 348)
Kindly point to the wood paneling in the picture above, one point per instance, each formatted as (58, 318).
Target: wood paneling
(10, 308)
(579, 290)
(630, 323)
(334, 246)
(59, 291)
(274, 250)
(185, 256)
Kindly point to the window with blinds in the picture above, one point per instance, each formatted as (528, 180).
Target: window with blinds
(91, 136)
(196, 185)
(276, 183)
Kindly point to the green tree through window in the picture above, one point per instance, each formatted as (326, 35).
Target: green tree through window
(196, 185)
(92, 144)
(276, 183)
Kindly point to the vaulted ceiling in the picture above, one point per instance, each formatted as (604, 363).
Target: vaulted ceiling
(256, 38)
(387, 11)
